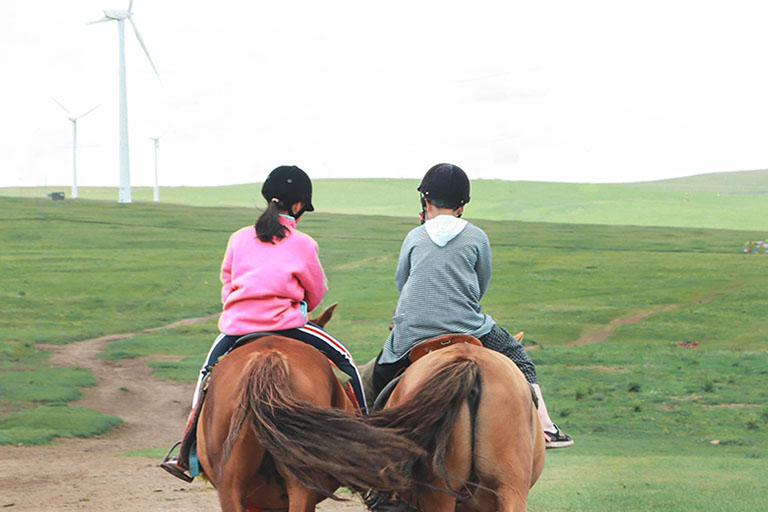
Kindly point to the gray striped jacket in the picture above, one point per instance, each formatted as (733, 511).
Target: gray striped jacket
(440, 289)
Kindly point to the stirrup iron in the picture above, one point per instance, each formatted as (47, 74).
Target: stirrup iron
(172, 466)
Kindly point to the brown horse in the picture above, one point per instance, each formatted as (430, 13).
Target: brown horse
(277, 432)
(472, 410)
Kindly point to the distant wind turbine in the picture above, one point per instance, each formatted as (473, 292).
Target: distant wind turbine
(124, 193)
(74, 119)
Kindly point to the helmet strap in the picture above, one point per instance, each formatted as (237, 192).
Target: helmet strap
(299, 213)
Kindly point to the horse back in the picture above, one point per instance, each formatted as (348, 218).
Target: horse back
(310, 379)
(502, 447)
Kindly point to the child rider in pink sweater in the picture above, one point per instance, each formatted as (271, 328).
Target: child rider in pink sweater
(272, 278)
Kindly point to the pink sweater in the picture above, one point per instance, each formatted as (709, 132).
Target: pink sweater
(264, 284)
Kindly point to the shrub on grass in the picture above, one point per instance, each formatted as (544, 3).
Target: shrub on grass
(16, 351)
(735, 442)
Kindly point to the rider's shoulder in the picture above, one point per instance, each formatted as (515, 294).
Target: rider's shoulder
(301, 238)
(245, 231)
(474, 230)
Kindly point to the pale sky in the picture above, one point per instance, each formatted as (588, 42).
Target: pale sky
(561, 90)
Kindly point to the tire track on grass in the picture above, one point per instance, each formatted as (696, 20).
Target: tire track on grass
(600, 335)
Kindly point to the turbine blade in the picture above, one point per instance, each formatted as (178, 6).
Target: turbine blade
(129, 5)
(102, 20)
(83, 115)
(143, 46)
(62, 106)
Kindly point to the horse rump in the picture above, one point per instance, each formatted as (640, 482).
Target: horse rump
(315, 442)
(428, 418)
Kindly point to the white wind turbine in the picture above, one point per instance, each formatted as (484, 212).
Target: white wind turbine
(74, 119)
(124, 193)
(156, 140)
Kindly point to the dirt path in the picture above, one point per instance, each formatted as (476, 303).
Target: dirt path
(602, 334)
(599, 335)
(86, 474)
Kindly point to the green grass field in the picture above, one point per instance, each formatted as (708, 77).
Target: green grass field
(733, 200)
(644, 412)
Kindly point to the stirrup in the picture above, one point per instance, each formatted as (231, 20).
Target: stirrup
(170, 464)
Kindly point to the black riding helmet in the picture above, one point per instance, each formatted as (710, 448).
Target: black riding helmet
(289, 184)
(445, 186)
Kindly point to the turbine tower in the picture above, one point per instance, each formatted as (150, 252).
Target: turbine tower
(124, 193)
(156, 140)
(74, 119)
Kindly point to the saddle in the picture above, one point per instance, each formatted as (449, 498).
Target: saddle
(417, 352)
(425, 347)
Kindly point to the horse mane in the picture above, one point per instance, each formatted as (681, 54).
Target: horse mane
(313, 442)
(429, 416)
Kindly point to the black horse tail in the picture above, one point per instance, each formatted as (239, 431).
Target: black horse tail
(313, 442)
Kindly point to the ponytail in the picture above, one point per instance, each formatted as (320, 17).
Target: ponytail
(268, 225)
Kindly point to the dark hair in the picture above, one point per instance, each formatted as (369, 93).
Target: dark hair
(441, 203)
(268, 225)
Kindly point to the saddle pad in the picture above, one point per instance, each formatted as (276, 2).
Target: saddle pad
(425, 347)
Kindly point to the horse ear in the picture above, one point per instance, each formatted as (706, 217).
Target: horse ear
(325, 316)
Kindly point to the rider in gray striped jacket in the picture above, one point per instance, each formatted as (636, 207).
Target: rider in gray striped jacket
(448, 259)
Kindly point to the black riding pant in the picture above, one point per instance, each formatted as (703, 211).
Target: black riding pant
(310, 334)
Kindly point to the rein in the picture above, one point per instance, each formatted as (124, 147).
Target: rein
(384, 394)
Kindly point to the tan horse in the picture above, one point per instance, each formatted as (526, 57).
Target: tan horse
(472, 410)
(278, 432)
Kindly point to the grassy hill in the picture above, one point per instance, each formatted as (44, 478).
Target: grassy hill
(644, 411)
(734, 200)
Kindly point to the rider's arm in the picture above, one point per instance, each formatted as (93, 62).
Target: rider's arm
(483, 265)
(312, 278)
(226, 273)
(403, 266)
